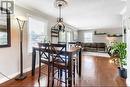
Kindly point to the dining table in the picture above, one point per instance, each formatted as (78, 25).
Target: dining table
(70, 52)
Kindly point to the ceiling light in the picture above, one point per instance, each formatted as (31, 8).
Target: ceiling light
(60, 25)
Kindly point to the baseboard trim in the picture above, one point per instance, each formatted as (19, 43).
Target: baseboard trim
(4, 79)
(127, 83)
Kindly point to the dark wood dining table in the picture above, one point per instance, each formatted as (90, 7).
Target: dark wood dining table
(70, 52)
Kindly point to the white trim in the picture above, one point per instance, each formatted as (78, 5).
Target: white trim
(127, 83)
(44, 30)
(4, 79)
(10, 76)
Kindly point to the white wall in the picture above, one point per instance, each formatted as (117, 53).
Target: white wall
(128, 41)
(128, 57)
(102, 38)
(9, 57)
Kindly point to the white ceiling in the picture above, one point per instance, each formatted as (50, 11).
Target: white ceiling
(83, 14)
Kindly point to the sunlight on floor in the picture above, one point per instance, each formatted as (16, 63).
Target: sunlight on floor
(96, 54)
(43, 82)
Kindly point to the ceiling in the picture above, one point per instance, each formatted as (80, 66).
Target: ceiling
(83, 14)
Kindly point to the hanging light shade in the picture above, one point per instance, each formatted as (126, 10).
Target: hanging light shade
(60, 24)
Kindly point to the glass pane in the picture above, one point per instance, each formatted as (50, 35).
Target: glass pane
(3, 38)
(68, 37)
(37, 32)
(88, 37)
(3, 30)
(62, 37)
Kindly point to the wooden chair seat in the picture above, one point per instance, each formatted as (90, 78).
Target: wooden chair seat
(44, 58)
(60, 65)
(46, 61)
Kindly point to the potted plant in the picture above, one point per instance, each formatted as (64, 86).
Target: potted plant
(120, 49)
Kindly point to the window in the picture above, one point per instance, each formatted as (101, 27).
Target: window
(68, 36)
(37, 32)
(75, 36)
(62, 36)
(3, 38)
(88, 37)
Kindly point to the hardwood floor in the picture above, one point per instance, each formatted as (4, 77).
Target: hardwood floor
(96, 72)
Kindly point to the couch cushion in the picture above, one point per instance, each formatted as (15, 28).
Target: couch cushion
(101, 45)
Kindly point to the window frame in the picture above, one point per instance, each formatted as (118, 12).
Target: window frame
(86, 37)
(29, 50)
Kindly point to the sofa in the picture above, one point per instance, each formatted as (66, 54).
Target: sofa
(94, 47)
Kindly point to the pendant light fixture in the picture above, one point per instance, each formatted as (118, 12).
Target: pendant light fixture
(60, 24)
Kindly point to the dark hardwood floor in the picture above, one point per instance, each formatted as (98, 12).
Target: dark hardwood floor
(96, 72)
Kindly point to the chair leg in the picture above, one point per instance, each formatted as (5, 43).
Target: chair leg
(39, 74)
(60, 76)
(77, 66)
(39, 70)
(48, 76)
(52, 76)
(58, 73)
(74, 72)
(65, 78)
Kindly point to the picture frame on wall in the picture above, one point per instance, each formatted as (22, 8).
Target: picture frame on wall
(5, 25)
(75, 35)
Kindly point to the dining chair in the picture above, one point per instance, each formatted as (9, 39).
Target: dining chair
(71, 44)
(44, 58)
(60, 61)
(75, 59)
(78, 44)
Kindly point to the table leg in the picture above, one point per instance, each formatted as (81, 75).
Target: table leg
(77, 63)
(33, 61)
(80, 62)
(70, 71)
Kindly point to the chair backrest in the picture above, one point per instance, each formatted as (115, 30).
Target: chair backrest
(78, 44)
(61, 42)
(43, 45)
(43, 50)
(59, 53)
(72, 44)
